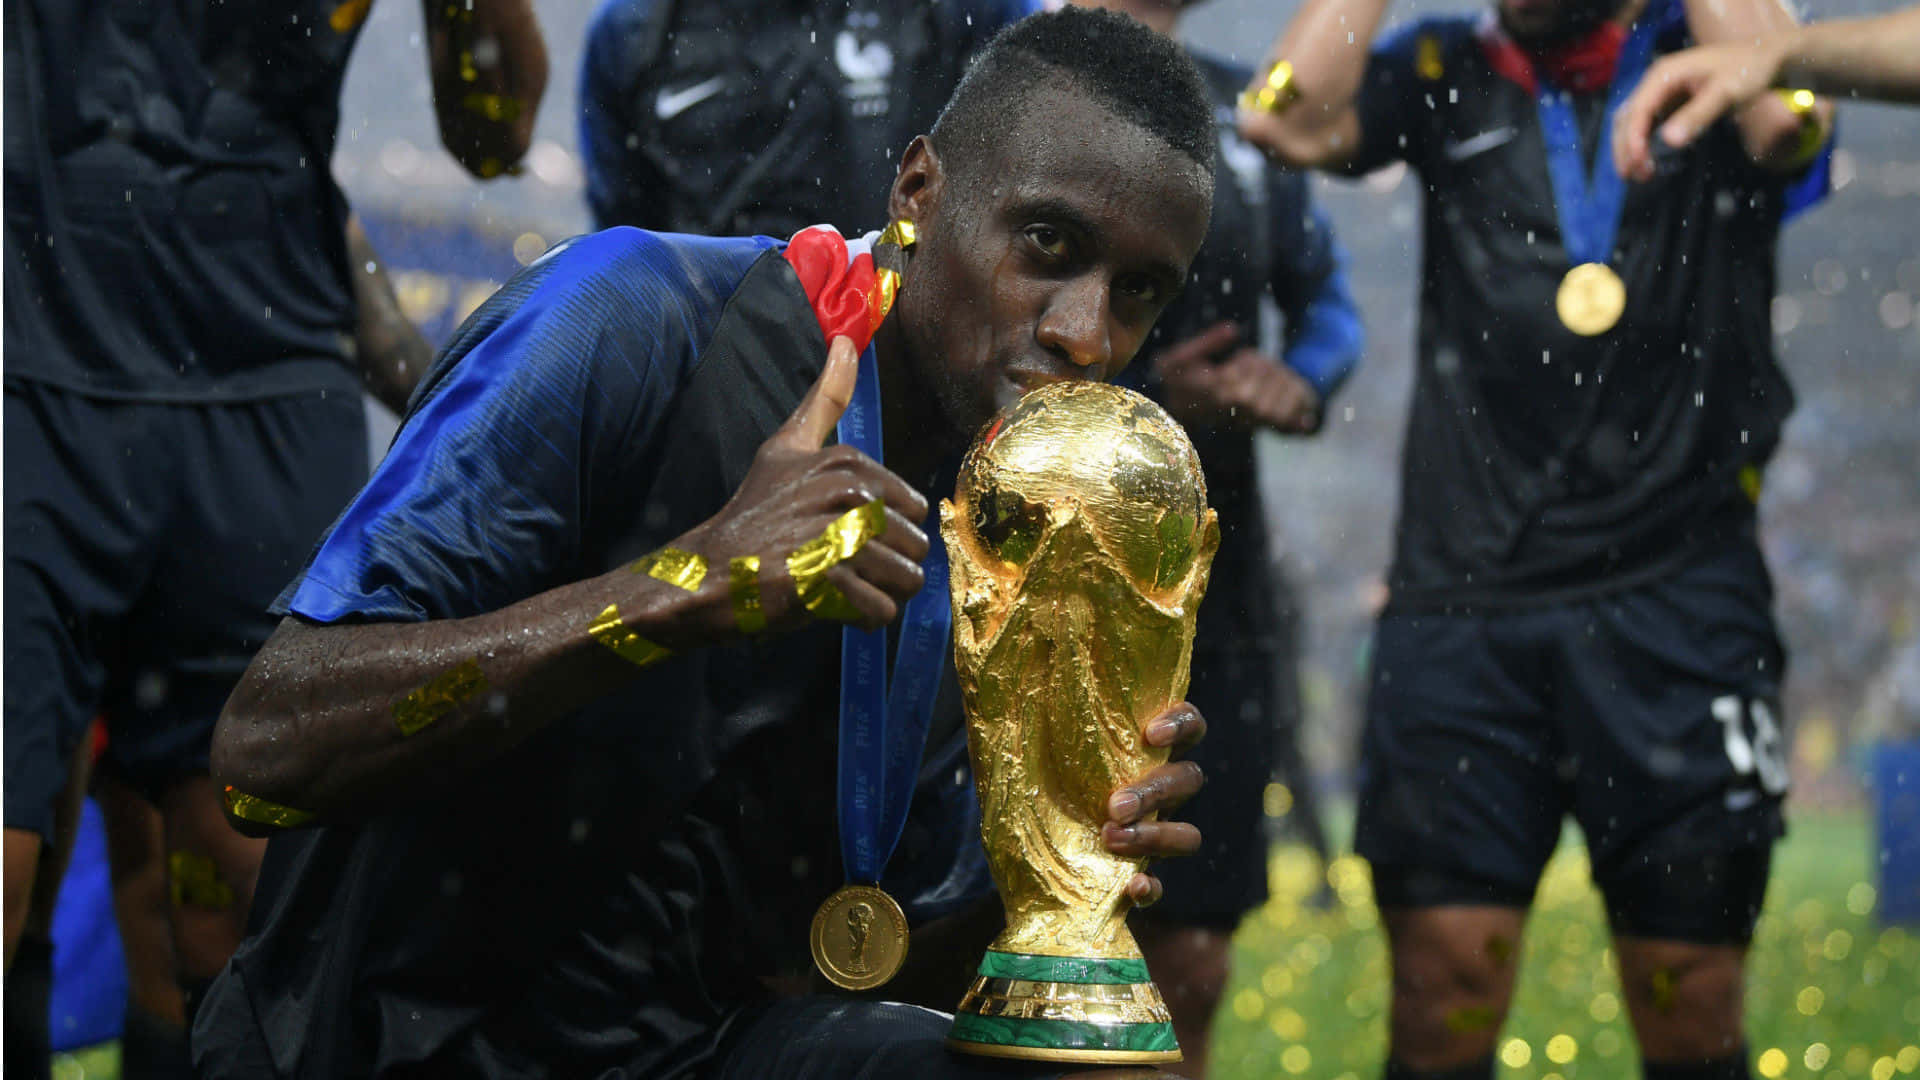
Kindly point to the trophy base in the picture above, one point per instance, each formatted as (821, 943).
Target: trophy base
(1064, 1008)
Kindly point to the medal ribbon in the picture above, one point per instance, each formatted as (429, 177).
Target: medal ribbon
(883, 728)
(1589, 210)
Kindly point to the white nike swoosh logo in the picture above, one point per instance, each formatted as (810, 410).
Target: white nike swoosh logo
(674, 102)
(1480, 144)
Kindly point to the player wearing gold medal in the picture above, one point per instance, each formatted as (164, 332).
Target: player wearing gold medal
(548, 739)
(1579, 617)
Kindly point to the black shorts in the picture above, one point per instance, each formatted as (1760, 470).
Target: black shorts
(832, 1038)
(1238, 694)
(1651, 714)
(144, 542)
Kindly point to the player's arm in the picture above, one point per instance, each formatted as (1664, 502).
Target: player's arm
(335, 721)
(1324, 337)
(1877, 57)
(1776, 135)
(391, 352)
(489, 68)
(1311, 122)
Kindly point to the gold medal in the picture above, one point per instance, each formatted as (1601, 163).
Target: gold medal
(859, 937)
(1591, 300)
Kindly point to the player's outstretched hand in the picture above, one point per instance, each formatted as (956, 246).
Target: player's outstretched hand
(1127, 831)
(796, 488)
(1697, 86)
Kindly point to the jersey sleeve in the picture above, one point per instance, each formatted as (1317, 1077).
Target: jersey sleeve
(1324, 335)
(1300, 240)
(1390, 102)
(527, 435)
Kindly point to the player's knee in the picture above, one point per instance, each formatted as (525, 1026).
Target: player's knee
(1451, 989)
(1685, 1000)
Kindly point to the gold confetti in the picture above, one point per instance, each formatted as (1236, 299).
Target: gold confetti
(349, 15)
(1661, 986)
(1276, 981)
(841, 540)
(1861, 898)
(1471, 1018)
(1816, 1056)
(682, 569)
(1248, 1004)
(261, 812)
(1296, 1059)
(743, 583)
(1837, 945)
(1809, 1000)
(441, 695)
(1883, 1069)
(1427, 58)
(1562, 1049)
(1278, 800)
(1604, 1007)
(609, 631)
(1287, 1024)
(1773, 1063)
(498, 108)
(193, 880)
(1516, 1053)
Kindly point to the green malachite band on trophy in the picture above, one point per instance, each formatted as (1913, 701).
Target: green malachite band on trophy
(1064, 969)
(1062, 1034)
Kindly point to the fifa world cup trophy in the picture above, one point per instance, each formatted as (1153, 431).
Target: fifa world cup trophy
(1080, 541)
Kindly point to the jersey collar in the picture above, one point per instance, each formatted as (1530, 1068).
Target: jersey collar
(1584, 65)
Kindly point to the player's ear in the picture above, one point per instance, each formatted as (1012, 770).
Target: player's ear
(916, 187)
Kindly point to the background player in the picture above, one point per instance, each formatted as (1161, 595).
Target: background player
(1266, 238)
(742, 117)
(182, 388)
(1579, 616)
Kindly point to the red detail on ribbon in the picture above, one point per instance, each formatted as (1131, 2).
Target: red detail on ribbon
(1583, 65)
(842, 291)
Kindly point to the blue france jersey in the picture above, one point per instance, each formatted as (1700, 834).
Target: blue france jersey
(502, 470)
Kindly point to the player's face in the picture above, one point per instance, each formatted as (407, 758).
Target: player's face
(1048, 261)
(1550, 20)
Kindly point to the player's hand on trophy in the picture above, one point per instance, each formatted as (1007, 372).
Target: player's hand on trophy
(1164, 788)
(855, 524)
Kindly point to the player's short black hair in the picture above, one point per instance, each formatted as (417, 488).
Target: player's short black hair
(1143, 76)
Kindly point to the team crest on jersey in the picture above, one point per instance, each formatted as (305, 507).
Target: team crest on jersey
(866, 63)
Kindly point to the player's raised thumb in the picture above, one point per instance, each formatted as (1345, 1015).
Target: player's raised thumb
(820, 410)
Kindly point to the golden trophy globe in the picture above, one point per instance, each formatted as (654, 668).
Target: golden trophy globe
(1079, 541)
